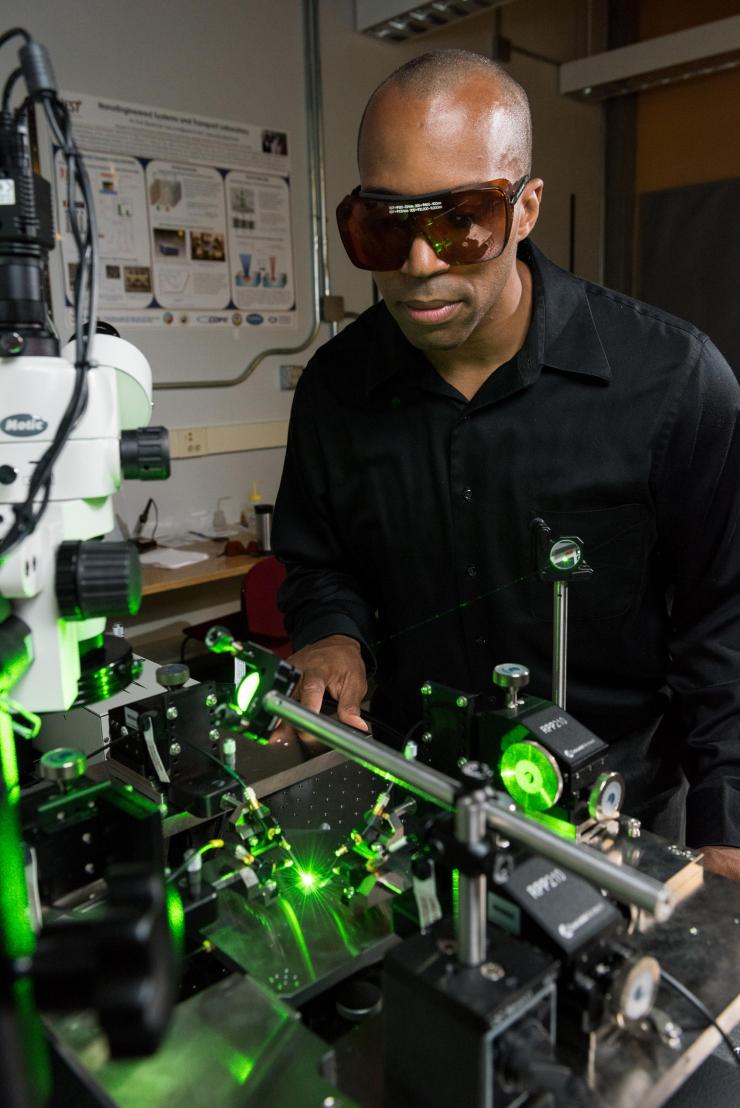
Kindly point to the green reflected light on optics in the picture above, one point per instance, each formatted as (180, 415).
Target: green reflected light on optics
(247, 690)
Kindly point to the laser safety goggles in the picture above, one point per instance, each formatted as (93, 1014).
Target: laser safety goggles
(462, 226)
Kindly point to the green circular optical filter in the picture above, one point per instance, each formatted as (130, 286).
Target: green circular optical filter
(531, 776)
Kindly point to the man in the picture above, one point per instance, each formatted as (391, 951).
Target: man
(490, 387)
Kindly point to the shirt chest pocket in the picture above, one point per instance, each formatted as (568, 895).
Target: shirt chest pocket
(615, 546)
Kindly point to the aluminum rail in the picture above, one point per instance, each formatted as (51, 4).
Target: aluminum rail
(369, 752)
(560, 643)
(623, 882)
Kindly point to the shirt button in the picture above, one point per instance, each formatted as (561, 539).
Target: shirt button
(481, 640)
(467, 494)
(471, 570)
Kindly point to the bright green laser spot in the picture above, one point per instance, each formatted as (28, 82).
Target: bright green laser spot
(307, 880)
(176, 919)
(246, 691)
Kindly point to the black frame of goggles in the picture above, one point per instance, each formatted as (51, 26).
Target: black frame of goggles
(424, 207)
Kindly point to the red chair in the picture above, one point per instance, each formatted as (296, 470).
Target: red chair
(259, 619)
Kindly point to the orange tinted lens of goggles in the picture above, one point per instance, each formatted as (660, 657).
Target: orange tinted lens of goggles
(462, 226)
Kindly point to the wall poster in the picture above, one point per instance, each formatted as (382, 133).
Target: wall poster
(193, 217)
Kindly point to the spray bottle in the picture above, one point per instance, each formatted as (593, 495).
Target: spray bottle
(249, 516)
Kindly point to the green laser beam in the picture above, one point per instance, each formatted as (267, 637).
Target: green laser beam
(490, 592)
(297, 932)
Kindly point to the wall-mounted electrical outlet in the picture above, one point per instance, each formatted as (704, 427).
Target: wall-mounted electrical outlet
(188, 442)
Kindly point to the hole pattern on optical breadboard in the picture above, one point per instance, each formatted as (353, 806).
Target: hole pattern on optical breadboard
(338, 797)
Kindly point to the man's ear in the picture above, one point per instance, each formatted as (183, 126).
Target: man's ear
(529, 207)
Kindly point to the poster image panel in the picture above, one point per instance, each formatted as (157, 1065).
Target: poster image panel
(259, 233)
(187, 216)
(123, 234)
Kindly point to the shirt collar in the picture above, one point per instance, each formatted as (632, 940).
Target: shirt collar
(570, 341)
(562, 332)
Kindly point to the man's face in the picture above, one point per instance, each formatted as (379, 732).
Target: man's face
(412, 146)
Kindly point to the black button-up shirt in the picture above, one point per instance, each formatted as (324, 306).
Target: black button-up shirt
(404, 519)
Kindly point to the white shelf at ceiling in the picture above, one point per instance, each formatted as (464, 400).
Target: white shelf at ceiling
(708, 48)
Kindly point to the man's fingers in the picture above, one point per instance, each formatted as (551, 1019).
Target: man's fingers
(350, 714)
(283, 732)
(312, 693)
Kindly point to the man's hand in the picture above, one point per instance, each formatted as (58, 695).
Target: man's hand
(724, 860)
(332, 665)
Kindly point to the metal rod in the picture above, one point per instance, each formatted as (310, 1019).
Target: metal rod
(623, 882)
(559, 642)
(369, 752)
(471, 922)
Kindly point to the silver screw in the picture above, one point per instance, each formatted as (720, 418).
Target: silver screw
(462, 702)
(632, 827)
(172, 712)
(492, 971)
(214, 734)
(175, 749)
(328, 1102)
(427, 737)
(89, 869)
(123, 731)
(211, 700)
(462, 762)
(410, 750)
(426, 689)
(87, 838)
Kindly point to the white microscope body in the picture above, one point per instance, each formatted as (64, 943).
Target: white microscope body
(34, 392)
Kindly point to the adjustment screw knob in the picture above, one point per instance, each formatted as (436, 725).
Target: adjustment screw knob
(172, 676)
(510, 675)
(62, 764)
(476, 772)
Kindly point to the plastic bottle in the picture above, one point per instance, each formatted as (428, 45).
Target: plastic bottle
(249, 516)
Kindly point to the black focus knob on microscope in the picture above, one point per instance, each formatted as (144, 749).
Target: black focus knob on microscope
(97, 579)
(511, 676)
(145, 454)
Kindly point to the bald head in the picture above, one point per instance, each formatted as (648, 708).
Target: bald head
(470, 79)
